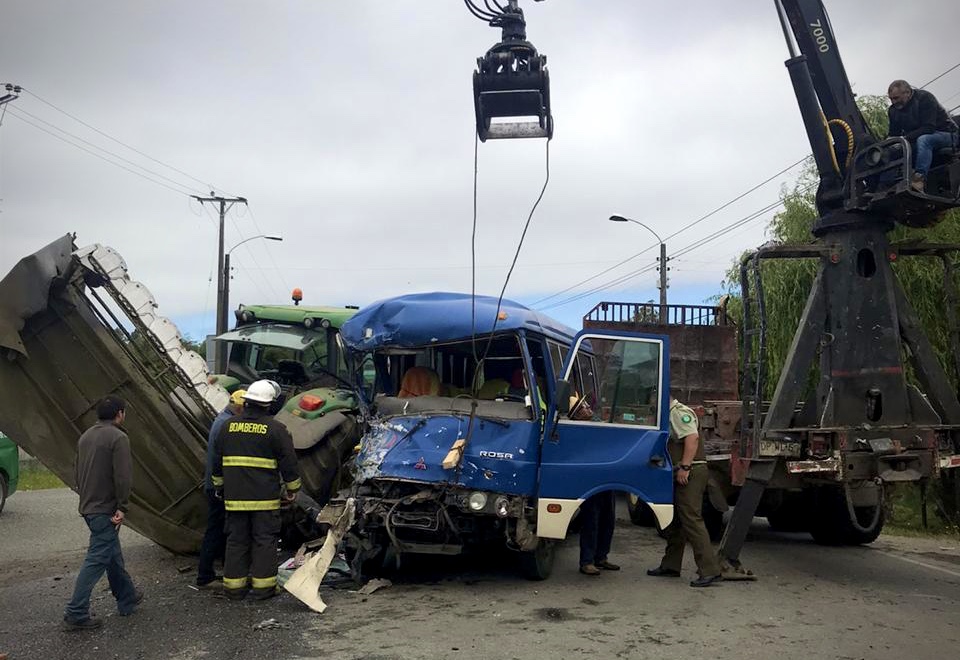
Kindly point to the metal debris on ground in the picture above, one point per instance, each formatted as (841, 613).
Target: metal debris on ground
(305, 581)
(374, 585)
(270, 624)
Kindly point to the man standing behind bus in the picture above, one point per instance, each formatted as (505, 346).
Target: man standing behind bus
(690, 482)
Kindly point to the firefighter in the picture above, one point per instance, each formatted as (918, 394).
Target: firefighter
(690, 483)
(250, 451)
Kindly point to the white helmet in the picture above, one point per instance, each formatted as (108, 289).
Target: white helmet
(262, 391)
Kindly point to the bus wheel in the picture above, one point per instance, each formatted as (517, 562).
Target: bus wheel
(538, 563)
(640, 513)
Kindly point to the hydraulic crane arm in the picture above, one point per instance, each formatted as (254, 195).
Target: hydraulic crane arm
(859, 171)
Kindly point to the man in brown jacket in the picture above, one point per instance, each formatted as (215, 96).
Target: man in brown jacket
(103, 476)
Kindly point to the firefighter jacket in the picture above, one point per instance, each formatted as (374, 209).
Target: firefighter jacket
(249, 451)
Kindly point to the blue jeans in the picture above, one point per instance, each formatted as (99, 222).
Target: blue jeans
(103, 555)
(926, 145)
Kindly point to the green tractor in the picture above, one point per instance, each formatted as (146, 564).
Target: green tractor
(299, 348)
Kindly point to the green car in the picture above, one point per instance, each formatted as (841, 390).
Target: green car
(9, 468)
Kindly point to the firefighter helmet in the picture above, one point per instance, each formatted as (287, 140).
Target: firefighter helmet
(262, 391)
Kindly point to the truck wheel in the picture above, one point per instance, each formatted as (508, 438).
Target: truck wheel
(640, 513)
(793, 514)
(538, 564)
(712, 520)
(3, 490)
(320, 465)
(831, 523)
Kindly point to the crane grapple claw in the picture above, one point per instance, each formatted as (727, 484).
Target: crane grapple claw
(512, 82)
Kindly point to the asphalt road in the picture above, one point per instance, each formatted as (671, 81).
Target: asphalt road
(897, 598)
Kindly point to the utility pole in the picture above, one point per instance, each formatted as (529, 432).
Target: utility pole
(226, 203)
(663, 284)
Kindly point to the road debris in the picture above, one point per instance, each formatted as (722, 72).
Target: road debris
(269, 624)
(374, 585)
(305, 581)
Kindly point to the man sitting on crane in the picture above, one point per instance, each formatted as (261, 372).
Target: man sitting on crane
(916, 115)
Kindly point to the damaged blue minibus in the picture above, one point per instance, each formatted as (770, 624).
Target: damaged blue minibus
(490, 425)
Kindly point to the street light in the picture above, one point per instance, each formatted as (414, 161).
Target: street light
(223, 303)
(662, 260)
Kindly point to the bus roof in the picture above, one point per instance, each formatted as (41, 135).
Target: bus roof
(420, 319)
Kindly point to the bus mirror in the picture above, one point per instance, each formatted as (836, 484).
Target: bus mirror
(562, 396)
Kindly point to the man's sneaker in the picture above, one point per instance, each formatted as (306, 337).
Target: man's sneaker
(917, 182)
(607, 566)
(589, 569)
(659, 571)
(90, 623)
(706, 581)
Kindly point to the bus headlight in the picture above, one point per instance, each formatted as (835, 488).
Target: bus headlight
(477, 501)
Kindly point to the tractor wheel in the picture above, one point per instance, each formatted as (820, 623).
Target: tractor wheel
(3, 490)
(321, 465)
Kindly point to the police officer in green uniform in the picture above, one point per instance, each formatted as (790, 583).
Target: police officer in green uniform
(690, 483)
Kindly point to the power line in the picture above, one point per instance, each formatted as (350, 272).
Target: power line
(682, 229)
(256, 225)
(929, 82)
(13, 113)
(203, 183)
(689, 248)
(21, 111)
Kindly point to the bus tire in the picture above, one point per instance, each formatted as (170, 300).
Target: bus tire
(538, 563)
(640, 513)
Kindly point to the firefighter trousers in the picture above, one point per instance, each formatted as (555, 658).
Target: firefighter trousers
(251, 551)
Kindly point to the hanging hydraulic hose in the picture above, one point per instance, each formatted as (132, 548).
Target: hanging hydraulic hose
(511, 80)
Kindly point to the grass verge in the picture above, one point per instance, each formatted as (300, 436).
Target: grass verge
(37, 477)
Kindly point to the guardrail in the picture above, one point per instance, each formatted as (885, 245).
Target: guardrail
(650, 314)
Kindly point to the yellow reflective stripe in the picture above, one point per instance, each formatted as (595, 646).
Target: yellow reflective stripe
(217, 481)
(251, 505)
(295, 484)
(264, 583)
(250, 461)
(234, 583)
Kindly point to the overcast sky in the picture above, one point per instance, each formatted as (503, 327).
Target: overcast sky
(349, 126)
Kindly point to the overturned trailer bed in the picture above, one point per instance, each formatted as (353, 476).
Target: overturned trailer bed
(74, 328)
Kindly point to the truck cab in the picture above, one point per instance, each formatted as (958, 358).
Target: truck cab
(469, 436)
